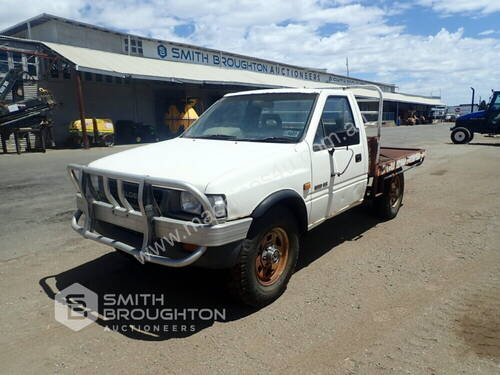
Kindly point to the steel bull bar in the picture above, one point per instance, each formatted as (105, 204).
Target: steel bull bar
(121, 207)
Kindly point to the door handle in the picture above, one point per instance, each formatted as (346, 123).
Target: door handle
(358, 158)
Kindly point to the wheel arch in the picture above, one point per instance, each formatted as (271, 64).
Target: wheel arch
(287, 198)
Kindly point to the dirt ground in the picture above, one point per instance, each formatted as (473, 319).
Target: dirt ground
(416, 295)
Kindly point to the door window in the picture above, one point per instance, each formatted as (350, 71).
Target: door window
(494, 112)
(495, 104)
(338, 123)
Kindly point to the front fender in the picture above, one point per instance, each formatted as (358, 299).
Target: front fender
(288, 198)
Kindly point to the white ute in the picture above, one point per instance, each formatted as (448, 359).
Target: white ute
(238, 188)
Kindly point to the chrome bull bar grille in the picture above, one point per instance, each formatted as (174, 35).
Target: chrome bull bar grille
(130, 195)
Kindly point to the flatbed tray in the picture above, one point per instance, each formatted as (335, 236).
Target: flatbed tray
(393, 158)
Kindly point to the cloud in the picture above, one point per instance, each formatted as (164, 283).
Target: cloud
(296, 32)
(462, 6)
(488, 32)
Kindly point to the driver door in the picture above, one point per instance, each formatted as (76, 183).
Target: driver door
(339, 161)
(493, 115)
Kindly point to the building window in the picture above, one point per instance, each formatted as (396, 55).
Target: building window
(88, 76)
(66, 71)
(4, 62)
(135, 46)
(32, 64)
(98, 77)
(108, 79)
(54, 70)
(118, 80)
(17, 59)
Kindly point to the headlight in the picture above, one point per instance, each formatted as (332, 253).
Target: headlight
(191, 205)
(218, 203)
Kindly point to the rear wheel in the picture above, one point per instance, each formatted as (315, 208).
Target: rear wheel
(460, 136)
(108, 140)
(387, 206)
(267, 259)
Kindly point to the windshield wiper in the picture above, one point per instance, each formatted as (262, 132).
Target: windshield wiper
(272, 139)
(216, 136)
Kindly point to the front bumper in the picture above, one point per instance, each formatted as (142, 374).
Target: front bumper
(150, 224)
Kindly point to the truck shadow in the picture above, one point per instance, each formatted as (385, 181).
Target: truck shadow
(161, 303)
(348, 226)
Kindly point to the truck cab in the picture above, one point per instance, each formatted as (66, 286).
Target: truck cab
(238, 188)
(482, 122)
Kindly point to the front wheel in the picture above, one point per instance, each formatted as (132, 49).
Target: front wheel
(387, 206)
(267, 259)
(460, 136)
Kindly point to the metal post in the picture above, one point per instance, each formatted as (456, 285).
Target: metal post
(397, 114)
(28, 27)
(81, 107)
(380, 111)
(96, 132)
(472, 105)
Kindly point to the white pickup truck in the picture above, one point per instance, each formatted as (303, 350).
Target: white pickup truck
(241, 185)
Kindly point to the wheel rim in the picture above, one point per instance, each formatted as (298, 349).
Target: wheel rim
(272, 256)
(395, 191)
(459, 136)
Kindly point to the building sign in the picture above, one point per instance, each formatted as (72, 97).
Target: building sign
(172, 52)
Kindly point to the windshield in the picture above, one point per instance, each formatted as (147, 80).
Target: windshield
(258, 118)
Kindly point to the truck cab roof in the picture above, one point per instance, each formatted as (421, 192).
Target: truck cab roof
(336, 91)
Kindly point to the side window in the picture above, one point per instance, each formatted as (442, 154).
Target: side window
(338, 122)
(495, 103)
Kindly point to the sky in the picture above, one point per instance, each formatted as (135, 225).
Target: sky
(427, 47)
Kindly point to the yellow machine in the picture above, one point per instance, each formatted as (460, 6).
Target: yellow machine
(99, 131)
(177, 121)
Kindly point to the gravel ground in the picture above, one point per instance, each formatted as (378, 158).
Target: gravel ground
(416, 295)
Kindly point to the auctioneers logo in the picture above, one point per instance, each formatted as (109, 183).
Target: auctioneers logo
(76, 307)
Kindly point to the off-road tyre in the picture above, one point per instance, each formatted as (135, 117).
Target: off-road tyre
(246, 283)
(388, 204)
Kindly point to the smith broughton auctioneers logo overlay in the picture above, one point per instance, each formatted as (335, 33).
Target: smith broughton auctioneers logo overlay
(77, 306)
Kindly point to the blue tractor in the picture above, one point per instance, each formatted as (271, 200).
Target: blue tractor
(482, 122)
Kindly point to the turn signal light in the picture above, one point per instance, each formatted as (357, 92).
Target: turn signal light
(189, 247)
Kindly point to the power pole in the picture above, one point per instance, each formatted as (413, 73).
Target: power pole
(472, 105)
(347, 65)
